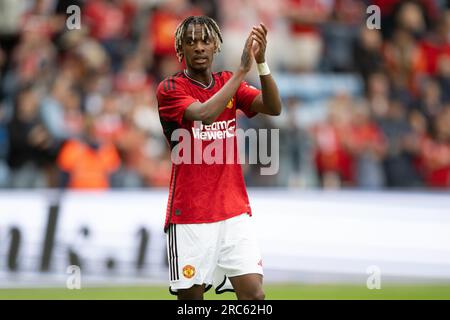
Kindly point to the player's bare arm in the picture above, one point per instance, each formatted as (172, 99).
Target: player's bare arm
(269, 101)
(208, 111)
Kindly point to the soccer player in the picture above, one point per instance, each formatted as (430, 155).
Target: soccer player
(210, 240)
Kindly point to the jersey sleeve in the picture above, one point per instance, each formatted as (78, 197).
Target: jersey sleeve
(173, 100)
(245, 95)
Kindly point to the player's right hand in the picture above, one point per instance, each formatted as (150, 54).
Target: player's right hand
(247, 54)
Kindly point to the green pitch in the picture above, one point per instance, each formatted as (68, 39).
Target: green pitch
(273, 292)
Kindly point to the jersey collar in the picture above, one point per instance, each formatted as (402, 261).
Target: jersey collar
(198, 83)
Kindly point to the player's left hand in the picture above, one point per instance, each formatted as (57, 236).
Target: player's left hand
(259, 35)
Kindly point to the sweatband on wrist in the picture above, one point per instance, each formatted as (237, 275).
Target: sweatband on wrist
(263, 69)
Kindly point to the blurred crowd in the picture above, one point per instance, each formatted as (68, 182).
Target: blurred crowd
(78, 106)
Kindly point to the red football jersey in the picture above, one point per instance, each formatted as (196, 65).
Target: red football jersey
(201, 191)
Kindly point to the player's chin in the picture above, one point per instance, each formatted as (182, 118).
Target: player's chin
(200, 67)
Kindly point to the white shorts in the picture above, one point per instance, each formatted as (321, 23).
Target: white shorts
(210, 253)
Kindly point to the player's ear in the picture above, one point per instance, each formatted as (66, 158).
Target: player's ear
(180, 56)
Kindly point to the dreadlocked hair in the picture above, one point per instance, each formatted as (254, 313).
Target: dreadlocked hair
(208, 24)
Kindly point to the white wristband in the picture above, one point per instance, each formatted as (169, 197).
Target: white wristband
(263, 69)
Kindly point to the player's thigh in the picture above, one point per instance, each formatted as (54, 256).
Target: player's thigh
(248, 286)
(195, 292)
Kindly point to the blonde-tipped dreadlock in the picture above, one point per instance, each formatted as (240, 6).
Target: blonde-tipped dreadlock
(208, 24)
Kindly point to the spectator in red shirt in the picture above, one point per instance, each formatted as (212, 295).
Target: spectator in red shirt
(306, 44)
(435, 153)
(437, 45)
(160, 32)
(109, 23)
(332, 155)
(108, 124)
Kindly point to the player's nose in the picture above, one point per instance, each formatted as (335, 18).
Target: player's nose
(199, 47)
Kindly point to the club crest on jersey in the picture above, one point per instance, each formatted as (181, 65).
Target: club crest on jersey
(230, 103)
(188, 271)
